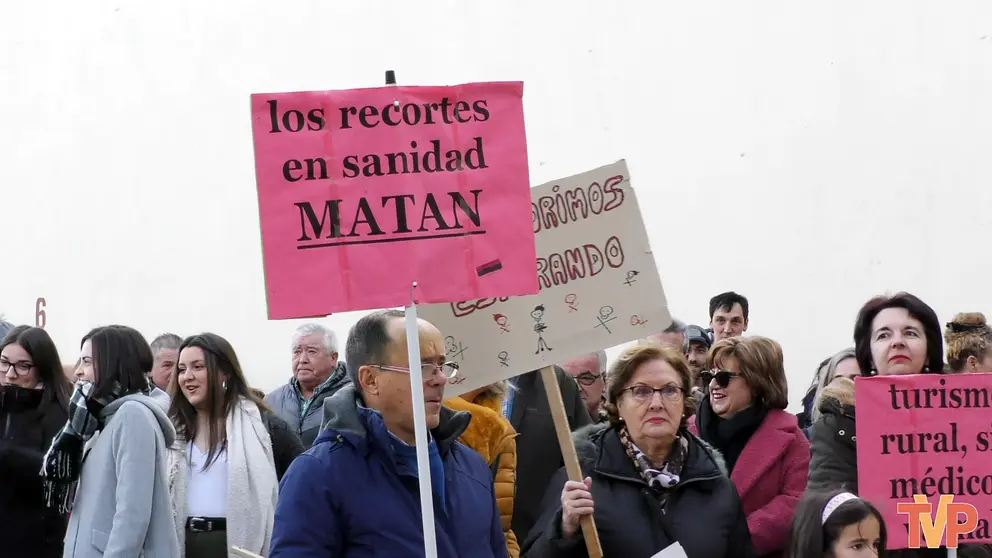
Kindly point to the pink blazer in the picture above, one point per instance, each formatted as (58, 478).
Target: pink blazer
(770, 476)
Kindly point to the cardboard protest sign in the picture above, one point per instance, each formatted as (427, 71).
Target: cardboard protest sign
(926, 435)
(599, 286)
(362, 192)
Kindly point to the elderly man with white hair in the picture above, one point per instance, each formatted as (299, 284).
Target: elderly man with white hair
(589, 371)
(317, 375)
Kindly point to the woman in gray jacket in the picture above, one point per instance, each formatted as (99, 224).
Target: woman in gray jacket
(121, 506)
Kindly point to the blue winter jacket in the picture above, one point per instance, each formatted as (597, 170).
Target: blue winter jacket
(353, 496)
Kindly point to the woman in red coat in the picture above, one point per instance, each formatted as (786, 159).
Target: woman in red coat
(766, 452)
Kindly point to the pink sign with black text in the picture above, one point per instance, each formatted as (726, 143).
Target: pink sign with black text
(362, 192)
(927, 435)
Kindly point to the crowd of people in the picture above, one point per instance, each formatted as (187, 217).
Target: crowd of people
(163, 449)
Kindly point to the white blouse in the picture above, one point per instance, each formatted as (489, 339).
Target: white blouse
(206, 490)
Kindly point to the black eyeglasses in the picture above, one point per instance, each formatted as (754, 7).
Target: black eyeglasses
(643, 394)
(21, 367)
(722, 377)
(587, 378)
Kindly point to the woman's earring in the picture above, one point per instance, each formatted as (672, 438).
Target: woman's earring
(926, 369)
(223, 385)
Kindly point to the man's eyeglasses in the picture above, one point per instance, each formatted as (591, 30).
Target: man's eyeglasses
(643, 394)
(21, 367)
(447, 369)
(722, 377)
(587, 378)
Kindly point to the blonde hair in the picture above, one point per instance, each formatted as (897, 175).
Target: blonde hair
(967, 335)
(762, 367)
(497, 390)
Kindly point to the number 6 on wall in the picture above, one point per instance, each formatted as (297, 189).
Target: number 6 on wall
(40, 317)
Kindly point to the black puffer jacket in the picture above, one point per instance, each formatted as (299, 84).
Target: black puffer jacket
(286, 444)
(27, 425)
(704, 514)
(834, 460)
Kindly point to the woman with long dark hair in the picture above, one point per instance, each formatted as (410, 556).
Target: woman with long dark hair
(34, 396)
(121, 505)
(230, 453)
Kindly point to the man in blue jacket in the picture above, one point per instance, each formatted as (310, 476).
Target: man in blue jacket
(354, 494)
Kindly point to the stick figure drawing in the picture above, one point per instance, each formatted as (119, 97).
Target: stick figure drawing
(539, 327)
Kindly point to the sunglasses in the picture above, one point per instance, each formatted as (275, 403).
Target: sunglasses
(722, 377)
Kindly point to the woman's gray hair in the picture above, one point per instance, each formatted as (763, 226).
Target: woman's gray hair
(825, 375)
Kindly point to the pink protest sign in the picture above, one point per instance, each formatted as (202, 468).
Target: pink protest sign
(362, 192)
(930, 435)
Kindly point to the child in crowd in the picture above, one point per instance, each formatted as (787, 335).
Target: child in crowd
(836, 524)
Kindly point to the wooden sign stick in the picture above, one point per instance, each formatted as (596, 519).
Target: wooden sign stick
(569, 456)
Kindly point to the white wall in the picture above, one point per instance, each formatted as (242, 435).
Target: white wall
(808, 155)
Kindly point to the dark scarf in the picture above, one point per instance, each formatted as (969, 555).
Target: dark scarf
(63, 461)
(660, 480)
(731, 435)
(15, 399)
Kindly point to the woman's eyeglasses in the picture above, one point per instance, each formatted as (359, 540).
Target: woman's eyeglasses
(643, 394)
(21, 367)
(722, 377)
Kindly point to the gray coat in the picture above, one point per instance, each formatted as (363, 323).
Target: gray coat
(122, 507)
(287, 404)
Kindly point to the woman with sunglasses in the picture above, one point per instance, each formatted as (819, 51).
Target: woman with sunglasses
(34, 397)
(744, 417)
(649, 483)
(230, 453)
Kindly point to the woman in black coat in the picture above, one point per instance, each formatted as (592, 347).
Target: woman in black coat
(34, 396)
(653, 483)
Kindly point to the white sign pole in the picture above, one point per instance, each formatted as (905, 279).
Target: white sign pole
(419, 411)
(420, 429)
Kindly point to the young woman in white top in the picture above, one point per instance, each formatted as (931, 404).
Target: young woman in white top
(229, 455)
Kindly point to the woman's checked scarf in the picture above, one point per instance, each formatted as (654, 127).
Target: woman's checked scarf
(660, 480)
(63, 461)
